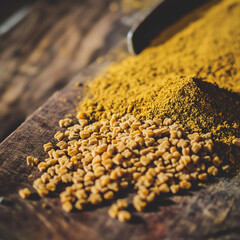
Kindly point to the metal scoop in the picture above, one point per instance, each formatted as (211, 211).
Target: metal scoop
(157, 18)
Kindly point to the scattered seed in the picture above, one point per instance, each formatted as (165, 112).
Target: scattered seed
(98, 160)
(124, 216)
(24, 193)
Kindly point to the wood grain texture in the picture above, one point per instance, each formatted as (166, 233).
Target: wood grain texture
(55, 41)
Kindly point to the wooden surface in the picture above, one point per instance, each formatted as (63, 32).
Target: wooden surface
(54, 42)
(208, 213)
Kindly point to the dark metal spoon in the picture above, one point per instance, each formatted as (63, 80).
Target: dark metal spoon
(154, 20)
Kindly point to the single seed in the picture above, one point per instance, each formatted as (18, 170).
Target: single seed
(67, 206)
(24, 193)
(30, 161)
(124, 216)
(185, 184)
(48, 146)
(202, 176)
(174, 188)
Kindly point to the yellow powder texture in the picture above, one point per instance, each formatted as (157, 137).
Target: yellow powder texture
(193, 78)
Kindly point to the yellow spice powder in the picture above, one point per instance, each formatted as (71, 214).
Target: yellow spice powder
(193, 78)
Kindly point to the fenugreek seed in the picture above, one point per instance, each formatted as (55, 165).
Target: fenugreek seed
(195, 159)
(67, 206)
(126, 153)
(174, 188)
(122, 203)
(173, 134)
(83, 122)
(51, 187)
(81, 115)
(151, 197)
(59, 136)
(113, 119)
(45, 177)
(30, 161)
(164, 188)
(42, 166)
(84, 134)
(212, 171)
(95, 198)
(78, 205)
(216, 161)
(66, 178)
(202, 176)
(35, 161)
(113, 186)
(113, 211)
(174, 141)
(132, 144)
(99, 171)
(185, 184)
(102, 148)
(77, 186)
(24, 193)
(72, 152)
(65, 122)
(136, 175)
(167, 121)
(145, 160)
(182, 143)
(114, 174)
(150, 133)
(111, 149)
(104, 180)
(124, 185)
(226, 168)
(42, 191)
(145, 151)
(108, 195)
(93, 141)
(51, 162)
(124, 216)
(81, 194)
(196, 147)
(121, 147)
(186, 151)
(118, 159)
(73, 136)
(167, 156)
(136, 125)
(48, 146)
(185, 177)
(162, 177)
(138, 203)
(143, 193)
(185, 160)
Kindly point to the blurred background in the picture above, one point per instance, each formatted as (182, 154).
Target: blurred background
(44, 43)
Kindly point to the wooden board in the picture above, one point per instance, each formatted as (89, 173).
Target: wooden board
(208, 213)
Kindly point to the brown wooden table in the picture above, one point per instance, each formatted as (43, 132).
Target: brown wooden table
(211, 212)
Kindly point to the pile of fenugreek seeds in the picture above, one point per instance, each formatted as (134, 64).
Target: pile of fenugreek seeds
(121, 154)
(157, 123)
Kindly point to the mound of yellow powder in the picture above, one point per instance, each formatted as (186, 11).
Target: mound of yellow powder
(193, 78)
